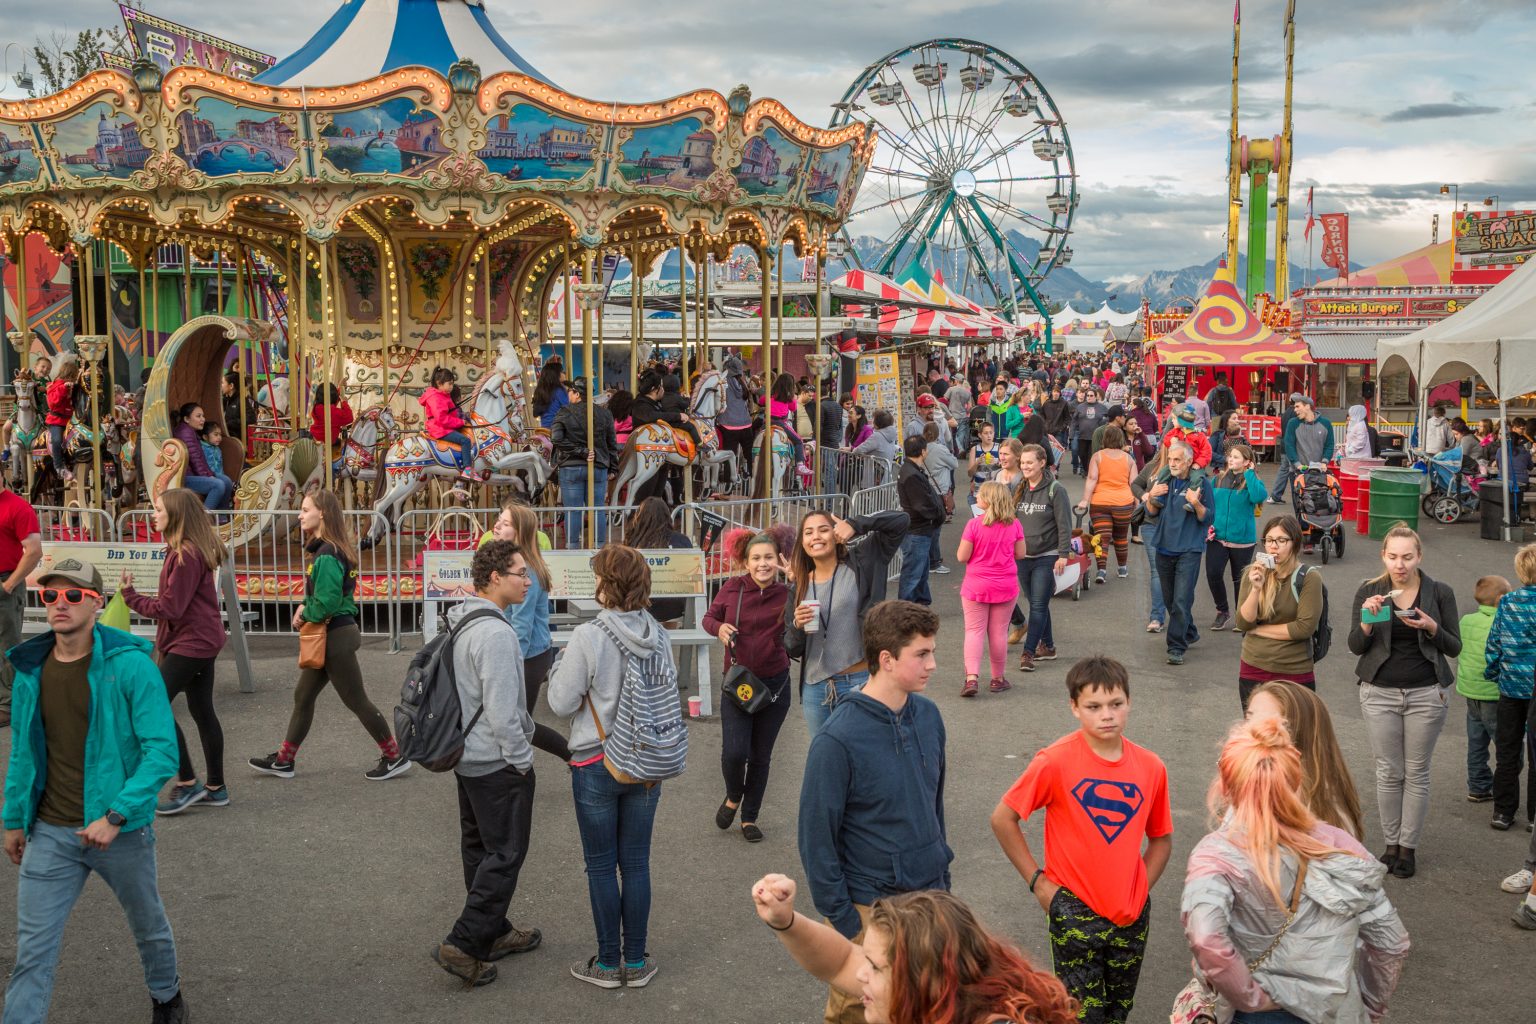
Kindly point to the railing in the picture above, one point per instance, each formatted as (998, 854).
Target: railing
(880, 499)
(707, 523)
(89, 525)
(846, 473)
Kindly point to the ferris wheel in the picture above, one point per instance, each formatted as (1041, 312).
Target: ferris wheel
(974, 170)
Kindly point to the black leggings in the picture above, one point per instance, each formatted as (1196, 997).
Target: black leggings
(746, 747)
(341, 671)
(1235, 560)
(194, 677)
(738, 439)
(535, 671)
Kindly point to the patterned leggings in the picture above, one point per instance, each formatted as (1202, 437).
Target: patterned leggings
(1112, 523)
(1099, 962)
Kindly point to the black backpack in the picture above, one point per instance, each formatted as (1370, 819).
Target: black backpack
(428, 718)
(1322, 636)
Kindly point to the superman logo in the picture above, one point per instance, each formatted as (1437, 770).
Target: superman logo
(1110, 805)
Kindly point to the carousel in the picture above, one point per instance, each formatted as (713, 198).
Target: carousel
(404, 192)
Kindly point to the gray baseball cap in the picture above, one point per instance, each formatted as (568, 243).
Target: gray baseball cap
(72, 570)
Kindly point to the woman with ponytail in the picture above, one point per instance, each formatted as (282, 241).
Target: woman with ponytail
(1285, 914)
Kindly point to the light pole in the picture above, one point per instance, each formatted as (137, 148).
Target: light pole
(1454, 191)
(1491, 201)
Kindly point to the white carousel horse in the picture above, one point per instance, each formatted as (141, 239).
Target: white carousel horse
(706, 406)
(24, 428)
(649, 448)
(272, 397)
(359, 459)
(494, 426)
(783, 461)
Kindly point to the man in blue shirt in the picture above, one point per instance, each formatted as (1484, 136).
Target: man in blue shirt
(1180, 512)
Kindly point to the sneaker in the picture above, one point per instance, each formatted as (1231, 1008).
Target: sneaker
(515, 940)
(272, 766)
(217, 797)
(594, 973)
(1175, 659)
(387, 769)
(1027, 662)
(1154, 626)
(172, 1011)
(939, 570)
(1124, 572)
(1223, 620)
(970, 687)
(639, 975)
(1519, 882)
(1102, 577)
(999, 684)
(1045, 652)
(460, 964)
(1502, 822)
(181, 798)
(1277, 501)
(1478, 798)
(1017, 634)
(1525, 917)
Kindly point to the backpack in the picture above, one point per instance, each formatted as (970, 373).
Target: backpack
(649, 742)
(1322, 636)
(428, 719)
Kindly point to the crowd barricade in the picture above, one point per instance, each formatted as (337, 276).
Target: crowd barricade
(847, 473)
(880, 499)
(88, 525)
(706, 523)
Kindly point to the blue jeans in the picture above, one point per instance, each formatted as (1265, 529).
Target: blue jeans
(935, 556)
(1282, 479)
(1159, 610)
(1482, 721)
(818, 699)
(53, 871)
(615, 823)
(913, 585)
(573, 494)
(218, 491)
(1037, 584)
(466, 447)
(56, 448)
(1177, 574)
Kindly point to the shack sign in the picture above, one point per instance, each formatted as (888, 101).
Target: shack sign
(1384, 307)
(172, 45)
(1490, 244)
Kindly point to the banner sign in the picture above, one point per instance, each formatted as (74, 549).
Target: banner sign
(172, 45)
(1384, 307)
(1335, 245)
(675, 572)
(141, 561)
(1259, 431)
(1490, 244)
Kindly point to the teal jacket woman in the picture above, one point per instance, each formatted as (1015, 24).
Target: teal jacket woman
(130, 749)
(1237, 495)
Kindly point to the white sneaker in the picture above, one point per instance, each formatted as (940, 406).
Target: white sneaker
(1519, 882)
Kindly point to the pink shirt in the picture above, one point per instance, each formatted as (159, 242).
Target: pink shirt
(992, 574)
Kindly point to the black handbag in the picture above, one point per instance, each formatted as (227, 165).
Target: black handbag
(741, 686)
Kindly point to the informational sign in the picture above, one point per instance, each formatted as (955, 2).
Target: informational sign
(1335, 244)
(173, 45)
(1384, 307)
(878, 382)
(675, 572)
(1175, 382)
(1260, 431)
(142, 561)
(1491, 244)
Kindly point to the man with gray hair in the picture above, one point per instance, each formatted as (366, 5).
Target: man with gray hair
(1179, 512)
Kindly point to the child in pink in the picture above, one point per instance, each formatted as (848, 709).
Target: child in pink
(990, 548)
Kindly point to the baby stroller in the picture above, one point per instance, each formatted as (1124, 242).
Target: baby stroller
(1452, 493)
(1319, 505)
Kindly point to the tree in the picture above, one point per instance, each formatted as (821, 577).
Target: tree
(61, 61)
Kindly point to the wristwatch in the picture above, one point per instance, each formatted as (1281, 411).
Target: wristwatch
(116, 820)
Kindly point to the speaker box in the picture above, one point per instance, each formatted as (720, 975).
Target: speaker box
(1368, 389)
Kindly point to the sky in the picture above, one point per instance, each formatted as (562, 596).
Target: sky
(1392, 99)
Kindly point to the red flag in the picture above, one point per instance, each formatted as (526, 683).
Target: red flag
(1311, 220)
(1335, 245)
(1237, 11)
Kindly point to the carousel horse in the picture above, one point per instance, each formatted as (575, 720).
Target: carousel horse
(360, 445)
(707, 404)
(495, 425)
(649, 448)
(272, 398)
(783, 463)
(24, 428)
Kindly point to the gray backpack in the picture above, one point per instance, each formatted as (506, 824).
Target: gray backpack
(429, 720)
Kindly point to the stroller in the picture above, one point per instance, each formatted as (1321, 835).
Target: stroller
(1319, 505)
(1452, 491)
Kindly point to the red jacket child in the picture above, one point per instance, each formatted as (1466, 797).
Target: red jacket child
(1197, 441)
(443, 417)
(61, 403)
(341, 419)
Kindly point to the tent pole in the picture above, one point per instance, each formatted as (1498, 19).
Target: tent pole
(1506, 529)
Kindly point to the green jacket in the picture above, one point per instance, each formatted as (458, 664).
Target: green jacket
(1471, 664)
(130, 747)
(330, 585)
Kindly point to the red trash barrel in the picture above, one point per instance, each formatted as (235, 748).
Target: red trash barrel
(1363, 511)
(1349, 487)
(1355, 485)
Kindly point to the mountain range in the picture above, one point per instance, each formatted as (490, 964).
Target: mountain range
(1064, 286)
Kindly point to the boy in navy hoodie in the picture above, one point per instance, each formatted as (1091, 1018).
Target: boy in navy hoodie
(872, 804)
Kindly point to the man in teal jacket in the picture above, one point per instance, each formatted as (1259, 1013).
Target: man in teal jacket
(93, 741)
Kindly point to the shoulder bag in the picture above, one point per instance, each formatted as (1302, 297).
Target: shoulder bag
(741, 686)
(312, 644)
(1197, 1004)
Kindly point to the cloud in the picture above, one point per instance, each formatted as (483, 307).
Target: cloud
(1432, 111)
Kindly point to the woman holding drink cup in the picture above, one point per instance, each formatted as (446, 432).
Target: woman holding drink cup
(839, 569)
(1278, 608)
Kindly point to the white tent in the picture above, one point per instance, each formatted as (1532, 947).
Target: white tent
(1494, 338)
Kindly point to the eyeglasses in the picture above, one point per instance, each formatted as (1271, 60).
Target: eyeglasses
(74, 595)
(520, 574)
(1276, 542)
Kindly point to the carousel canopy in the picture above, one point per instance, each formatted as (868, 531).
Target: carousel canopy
(1224, 332)
(366, 38)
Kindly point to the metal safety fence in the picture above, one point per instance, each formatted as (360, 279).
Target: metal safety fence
(847, 472)
(880, 499)
(80, 525)
(707, 523)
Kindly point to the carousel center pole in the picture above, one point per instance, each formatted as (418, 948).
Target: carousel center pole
(682, 291)
(244, 364)
(636, 316)
(587, 258)
(88, 283)
(566, 298)
(766, 456)
(328, 339)
(778, 314)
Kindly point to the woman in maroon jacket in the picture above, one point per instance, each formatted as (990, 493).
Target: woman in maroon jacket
(189, 636)
(748, 617)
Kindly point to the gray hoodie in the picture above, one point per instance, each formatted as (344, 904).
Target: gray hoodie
(880, 445)
(488, 668)
(592, 667)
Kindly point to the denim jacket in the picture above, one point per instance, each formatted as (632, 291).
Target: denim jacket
(1511, 651)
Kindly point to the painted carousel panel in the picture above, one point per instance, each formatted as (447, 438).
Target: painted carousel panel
(19, 164)
(532, 144)
(831, 171)
(99, 142)
(770, 164)
(222, 138)
(393, 137)
(677, 156)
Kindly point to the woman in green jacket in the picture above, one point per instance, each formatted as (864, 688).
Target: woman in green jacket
(329, 588)
(1238, 492)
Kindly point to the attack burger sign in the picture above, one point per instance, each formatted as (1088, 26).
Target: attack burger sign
(1384, 307)
(1491, 244)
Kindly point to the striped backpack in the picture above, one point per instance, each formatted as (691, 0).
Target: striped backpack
(649, 742)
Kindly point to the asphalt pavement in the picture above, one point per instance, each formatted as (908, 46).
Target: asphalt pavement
(318, 898)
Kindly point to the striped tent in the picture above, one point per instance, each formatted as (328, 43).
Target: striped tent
(366, 38)
(899, 322)
(1429, 266)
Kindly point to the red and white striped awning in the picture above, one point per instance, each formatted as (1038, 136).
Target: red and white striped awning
(897, 321)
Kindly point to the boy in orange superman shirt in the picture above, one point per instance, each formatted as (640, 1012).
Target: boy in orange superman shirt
(1108, 836)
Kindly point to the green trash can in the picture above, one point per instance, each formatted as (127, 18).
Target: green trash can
(1395, 495)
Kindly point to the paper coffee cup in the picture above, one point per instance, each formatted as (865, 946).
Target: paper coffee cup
(695, 707)
(814, 625)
